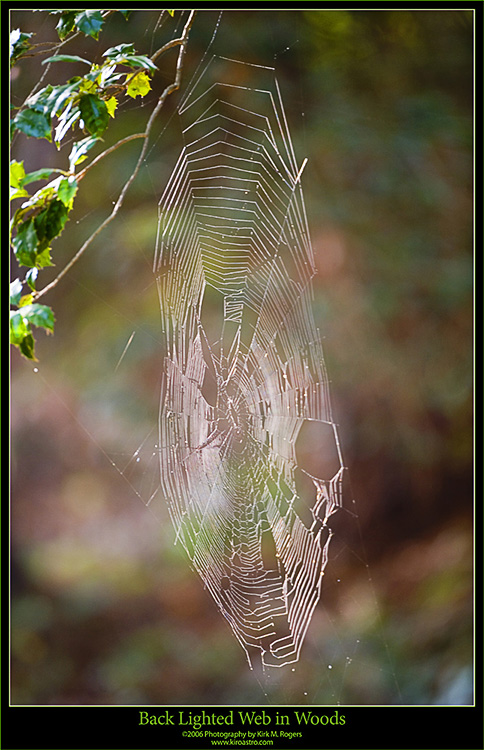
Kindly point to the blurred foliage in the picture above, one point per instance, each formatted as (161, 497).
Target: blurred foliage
(105, 608)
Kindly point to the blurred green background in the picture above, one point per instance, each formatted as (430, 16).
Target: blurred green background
(105, 609)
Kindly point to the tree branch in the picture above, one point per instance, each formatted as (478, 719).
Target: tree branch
(108, 151)
(165, 48)
(182, 41)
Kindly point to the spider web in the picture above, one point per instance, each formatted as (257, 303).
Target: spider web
(250, 461)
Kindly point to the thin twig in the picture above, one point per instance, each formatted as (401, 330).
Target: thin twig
(167, 91)
(108, 151)
(165, 48)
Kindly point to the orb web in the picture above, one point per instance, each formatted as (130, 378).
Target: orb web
(250, 461)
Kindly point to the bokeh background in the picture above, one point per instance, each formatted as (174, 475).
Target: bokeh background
(105, 609)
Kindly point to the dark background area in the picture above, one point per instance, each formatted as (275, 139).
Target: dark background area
(105, 609)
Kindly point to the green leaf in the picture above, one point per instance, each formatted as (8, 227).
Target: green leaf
(33, 123)
(38, 200)
(171, 12)
(126, 54)
(111, 105)
(31, 278)
(126, 13)
(43, 259)
(15, 291)
(119, 51)
(18, 193)
(89, 22)
(51, 99)
(18, 327)
(89, 84)
(21, 335)
(41, 316)
(39, 174)
(67, 191)
(27, 299)
(27, 346)
(139, 85)
(50, 222)
(17, 173)
(139, 61)
(106, 75)
(19, 216)
(25, 244)
(66, 120)
(80, 149)
(65, 58)
(19, 44)
(94, 114)
(66, 23)
(38, 101)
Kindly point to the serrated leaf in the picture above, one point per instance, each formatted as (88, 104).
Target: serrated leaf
(139, 61)
(67, 191)
(38, 174)
(41, 316)
(119, 51)
(25, 300)
(18, 193)
(38, 200)
(65, 58)
(50, 222)
(111, 105)
(31, 278)
(88, 86)
(15, 291)
(17, 173)
(57, 97)
(66, 120)
(33, 123)
(126, 54)
(38, 101)
(94, 114)
(25, 244)
(140, 85)
(107, 76)
(27, 347)
(80, 149)
(19, 327)
(66, 23)
(21, 334)
(43, 259)
(19, 44)
(89, 22)
(18, 216)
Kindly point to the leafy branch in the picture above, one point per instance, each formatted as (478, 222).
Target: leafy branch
(84, 105)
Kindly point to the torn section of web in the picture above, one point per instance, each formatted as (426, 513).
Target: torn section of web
(244, 376)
